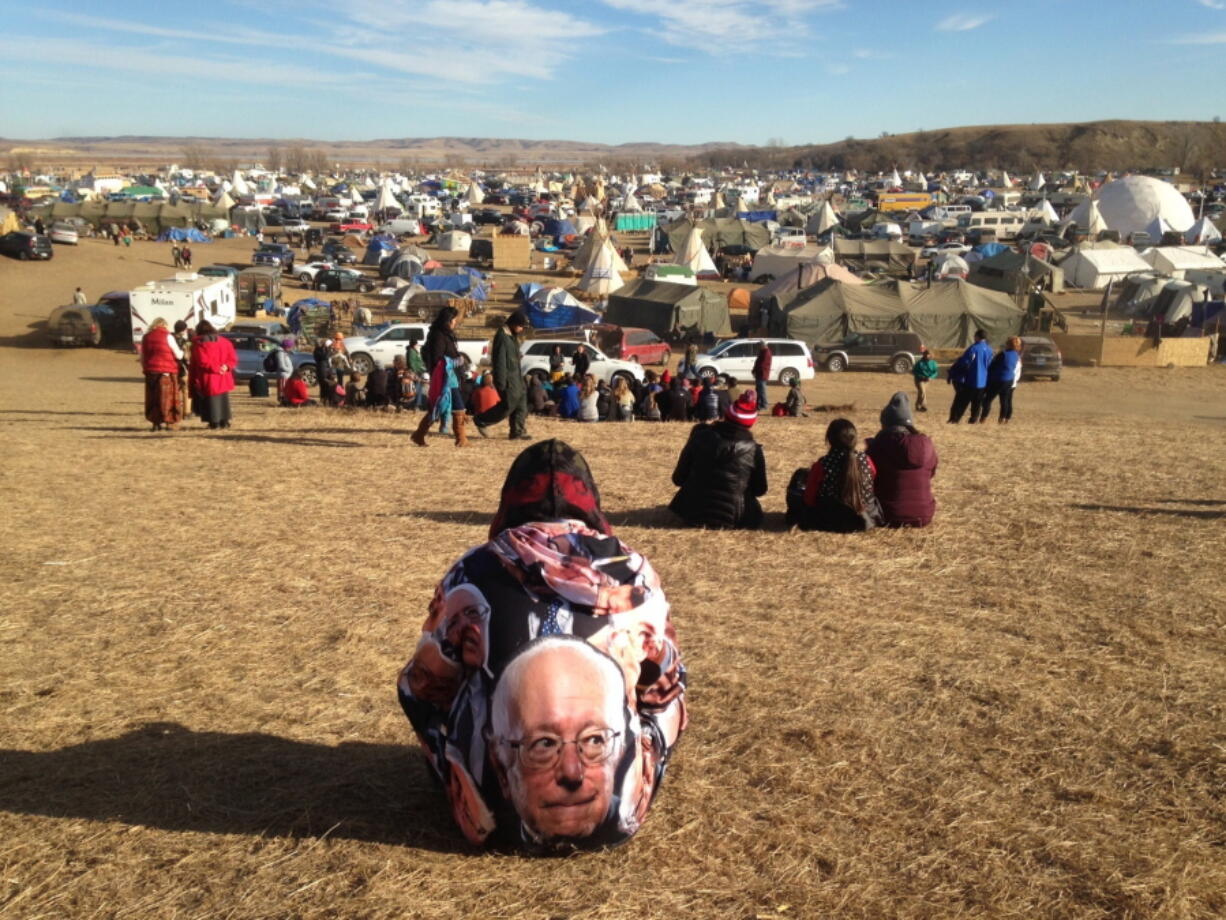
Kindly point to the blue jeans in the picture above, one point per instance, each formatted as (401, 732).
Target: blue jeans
(760, 386)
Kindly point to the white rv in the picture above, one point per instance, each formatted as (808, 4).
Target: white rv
(188, 297)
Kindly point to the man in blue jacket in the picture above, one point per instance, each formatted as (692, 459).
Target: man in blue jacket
(969, 376)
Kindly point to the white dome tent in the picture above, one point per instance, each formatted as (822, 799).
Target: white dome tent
(1131, 204)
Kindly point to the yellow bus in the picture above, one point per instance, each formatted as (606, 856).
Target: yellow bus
(903, 201)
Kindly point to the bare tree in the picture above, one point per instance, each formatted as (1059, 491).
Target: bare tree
(275, 159)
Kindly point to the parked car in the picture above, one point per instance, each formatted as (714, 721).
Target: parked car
(896, 351)
(23, 245)
(535, 360)
(295, 225)
(274, 254)
(380, 349)
(64, 232)
(342, 279)
(931, 252)
(252, 349)
(1040, 358)
(338, 252)
(735, 358)
(271, 328)
(641, 345)
(334, 215)
(108, 322)
(351, 225)
(487, 216)
(306, 272)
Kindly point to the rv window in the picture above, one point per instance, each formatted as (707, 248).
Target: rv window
(213, 307)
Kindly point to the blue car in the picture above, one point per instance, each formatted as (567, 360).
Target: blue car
(252, 349)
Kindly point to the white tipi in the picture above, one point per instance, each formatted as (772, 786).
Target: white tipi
(238, 185)
(694, 255)
(601, 277)
(474, 195)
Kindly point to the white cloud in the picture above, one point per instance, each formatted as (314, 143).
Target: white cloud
(962, 22)
(1204, 38)
(1213, 4)
(716, 25)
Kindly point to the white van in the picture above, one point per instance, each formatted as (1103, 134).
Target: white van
(790, 360)
(1005, 224)
(401, 226)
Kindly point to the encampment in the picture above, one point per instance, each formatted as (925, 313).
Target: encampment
(1095, 268)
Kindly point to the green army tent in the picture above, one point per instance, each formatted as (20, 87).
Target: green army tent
(719, 233)
(662, 306)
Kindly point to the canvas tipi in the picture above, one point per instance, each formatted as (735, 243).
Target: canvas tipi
(694, 256)
(601, 278)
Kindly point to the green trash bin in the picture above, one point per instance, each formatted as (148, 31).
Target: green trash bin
(258, 386)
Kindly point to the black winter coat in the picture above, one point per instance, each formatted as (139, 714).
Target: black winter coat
(721, 472)
(440, 343)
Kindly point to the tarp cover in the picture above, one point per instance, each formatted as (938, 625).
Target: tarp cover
(863, 254)
(719, 233)
(182, 234)
(553, 308)
(662, 307)
(944, 315)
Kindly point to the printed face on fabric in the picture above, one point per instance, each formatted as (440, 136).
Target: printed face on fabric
(559, 725)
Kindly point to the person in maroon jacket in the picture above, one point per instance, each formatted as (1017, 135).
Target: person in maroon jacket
(906, 461)
(212, 374)
(762, 373)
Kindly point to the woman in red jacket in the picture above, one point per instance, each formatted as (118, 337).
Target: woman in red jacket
(212, 374)
(160, 357)
(295, 392)
(906, 461)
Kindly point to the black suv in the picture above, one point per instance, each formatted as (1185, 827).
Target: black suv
(342, 279)
(896, 351)
(338, 252)
(22, 245)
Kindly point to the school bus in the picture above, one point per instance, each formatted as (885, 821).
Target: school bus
(903, 201)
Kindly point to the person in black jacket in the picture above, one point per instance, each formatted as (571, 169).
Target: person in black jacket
(441, 343)
(722, 471)
(580, 362)
(675, 402)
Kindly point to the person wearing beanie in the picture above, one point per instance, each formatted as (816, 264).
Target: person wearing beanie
(906, 461)
(721, 472)
(508, 381)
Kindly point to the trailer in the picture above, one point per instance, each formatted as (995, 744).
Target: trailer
(188, 297)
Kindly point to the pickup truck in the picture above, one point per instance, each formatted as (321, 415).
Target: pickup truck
(379, 350)
(278, 254)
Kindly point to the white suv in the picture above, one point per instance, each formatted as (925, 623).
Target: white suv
(790, 360)
(534, 359)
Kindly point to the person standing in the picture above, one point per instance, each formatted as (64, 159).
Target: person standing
(417, 367)
(212, 369)
(924, 371)
(1003, 375)
(508, 380)
(580, 362)
(969, 376)
(186, 255)
(285, 367)
(159, 359)
(78, 298)
(177, 255)
(321, 354)
(762, 373)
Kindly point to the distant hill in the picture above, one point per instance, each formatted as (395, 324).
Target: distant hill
(1114, 145)
(389, 152)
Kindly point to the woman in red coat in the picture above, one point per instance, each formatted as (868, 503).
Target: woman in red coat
(906, 461)
(212, 374)
(160, 357)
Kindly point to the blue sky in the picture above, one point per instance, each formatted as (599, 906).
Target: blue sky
(612, 71)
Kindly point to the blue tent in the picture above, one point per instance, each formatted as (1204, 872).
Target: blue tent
(987, 250)
(379, 248)
(758, 215)
(557, 228)
(524, 291)
(553, 308)
(462, 285)
(182, 234)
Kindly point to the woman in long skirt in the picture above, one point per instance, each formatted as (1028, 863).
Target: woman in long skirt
(161, 360)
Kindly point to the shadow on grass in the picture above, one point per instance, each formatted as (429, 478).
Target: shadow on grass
(140, 380)
(1207, 502)
(1170, 512)
(166, 776)
(132, 432)
(54, 412)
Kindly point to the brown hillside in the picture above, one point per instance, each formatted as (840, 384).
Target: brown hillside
(1114, 145)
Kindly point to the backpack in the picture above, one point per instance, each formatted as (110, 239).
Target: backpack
(270, 362)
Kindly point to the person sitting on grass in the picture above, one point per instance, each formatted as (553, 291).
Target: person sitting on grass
(795, 402)
(568, 400)
(295, 393)
(547, 688)
(838, 495)
(539, 401)
(721, 472)
(905, 461)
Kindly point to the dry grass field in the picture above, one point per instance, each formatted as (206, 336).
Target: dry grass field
(1016, 713)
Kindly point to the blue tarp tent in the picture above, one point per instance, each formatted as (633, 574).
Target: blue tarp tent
(558, 229)
(987, 250)
(524, 291)
(379, 248)
(462, 285)
(182, 234)
(757, 215)
(553, 308)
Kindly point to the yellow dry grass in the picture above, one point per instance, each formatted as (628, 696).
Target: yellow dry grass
(1016, 713)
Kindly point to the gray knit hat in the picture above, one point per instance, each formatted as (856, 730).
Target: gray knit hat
(897, 412)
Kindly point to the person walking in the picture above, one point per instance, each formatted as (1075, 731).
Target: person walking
(508, 381)
(176, 254)
(762, 373)
(925, 370)
(78, 298)
(212, 369)
(441, 355)
(969, 377)
(1003, 375)
(186, 255)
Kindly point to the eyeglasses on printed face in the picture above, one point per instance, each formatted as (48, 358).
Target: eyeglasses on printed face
(543, 751)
